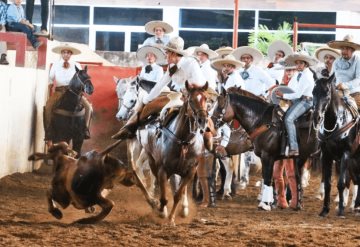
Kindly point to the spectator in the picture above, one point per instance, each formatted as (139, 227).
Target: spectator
(159, 29)
(3, 47)
(44, 14)
(16, 22)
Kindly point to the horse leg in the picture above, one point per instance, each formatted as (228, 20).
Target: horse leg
(298, 164)
(341, 183)
(354, 196)
(53, 210)
(243, 181)
(222, 172)
(326, 163)
(185, 180)
(235, 159)
(162, 178)
(202, 175)
(228, 179)
(280, 183)
(185, 204)
(267, 171)
(106, 207)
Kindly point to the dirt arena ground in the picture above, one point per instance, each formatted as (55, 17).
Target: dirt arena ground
(24, 221)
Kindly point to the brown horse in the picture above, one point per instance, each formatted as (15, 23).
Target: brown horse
(255, 116)
(176, 147)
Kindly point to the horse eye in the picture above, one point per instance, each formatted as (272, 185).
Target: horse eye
(132, 101)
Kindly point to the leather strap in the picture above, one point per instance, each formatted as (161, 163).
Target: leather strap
(70, 114)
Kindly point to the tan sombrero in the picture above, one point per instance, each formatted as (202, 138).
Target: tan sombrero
(346, 42)
(256, 54)
(321, 52)
(303, 56)
(176, 44)
(160, 55)
(151, 25)
(279, 45)
(204, 48)
(229, 59)
(190, 50)
(284, 89)
(68, 47)
(224, 51)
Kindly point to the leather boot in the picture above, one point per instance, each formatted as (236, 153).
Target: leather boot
(3, 60)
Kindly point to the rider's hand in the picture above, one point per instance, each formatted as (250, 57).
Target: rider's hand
(342, 86)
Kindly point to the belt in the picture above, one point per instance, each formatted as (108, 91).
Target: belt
(306, 97)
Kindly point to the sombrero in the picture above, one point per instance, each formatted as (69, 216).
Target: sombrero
(279, 45)
(290, 60)
(176, 44)
(66, 46)
(204, 48)
(256, 54)
(346, 42)
(284, 89)
(151, 25)
(223, 51)
(229, 59)
(321, 52)
(160, 55)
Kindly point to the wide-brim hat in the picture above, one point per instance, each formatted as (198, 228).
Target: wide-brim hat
(144, 50)
(290, 60)
(224, 51)
(255, 53)
(176, 44)
(346, 42)
(58, 49)
(204, 48)
(284, 89)
(190, 50)
(151, 25)
(279, 45)
(321, 52)
(229, 59)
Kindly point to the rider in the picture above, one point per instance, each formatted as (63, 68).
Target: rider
(159, 29)
(257, 81)
(61, 74)
(204, 54)
(277, 50)
(302, 83)
(327, 56)
(151, 56)
(347, 67)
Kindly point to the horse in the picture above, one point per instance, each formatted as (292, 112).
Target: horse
(255, 115)
(68, 121)
(177, 147)
(337, 126)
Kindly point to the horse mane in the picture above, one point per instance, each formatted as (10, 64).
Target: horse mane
(239, 91)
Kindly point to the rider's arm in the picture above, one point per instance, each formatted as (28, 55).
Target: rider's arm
(355, 83)
(156, 90)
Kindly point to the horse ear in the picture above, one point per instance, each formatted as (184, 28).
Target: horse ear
(332, 78)
(116, 80)
(187, 85)
(205, 87)
(86, 68)
(223, 91)
(76, 69)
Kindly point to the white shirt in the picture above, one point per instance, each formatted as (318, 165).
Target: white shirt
(303, 86)
(234, 80)
(188, 70)
(154, 75)
(209, 73)
(258, 82)
(152, 40)
(276, 72)
(61, 75)
(348, 72)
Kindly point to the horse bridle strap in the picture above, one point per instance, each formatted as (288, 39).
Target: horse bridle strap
(258, 131)
(69, 113)
(338, 132)
(179, 141)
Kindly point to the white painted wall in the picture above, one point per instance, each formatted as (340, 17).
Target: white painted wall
(348, 18)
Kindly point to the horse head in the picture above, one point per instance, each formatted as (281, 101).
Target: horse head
(81, 82)
(222, 112)
(322, 97)
(129, 100)
(197, 101)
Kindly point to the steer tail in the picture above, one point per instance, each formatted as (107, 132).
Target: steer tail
(110, 147)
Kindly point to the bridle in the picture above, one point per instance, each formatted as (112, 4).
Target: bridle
(219, 120)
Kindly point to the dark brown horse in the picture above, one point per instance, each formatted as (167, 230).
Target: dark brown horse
(255, 116)
(176, 147)
(337, 127)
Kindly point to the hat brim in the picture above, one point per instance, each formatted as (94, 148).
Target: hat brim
(218, 63)
(150, 26)
(160, 55)
(181, 52)
(322, 52)
(211, 54)
(279, 45)
(339, 44)
(284, 89)
(290, 60)
(60, 48)
(256, 55)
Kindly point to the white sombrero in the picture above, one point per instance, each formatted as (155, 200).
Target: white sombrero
(176, 44)
(160, 55)
(346, 42)
(279, 45)
(66, 46)
(302, 56)
(224, 51)
(190, 50)
(229, 59)
(321, 52)
(256, 54)
(284, 89)
(151, 25)
(204, 48)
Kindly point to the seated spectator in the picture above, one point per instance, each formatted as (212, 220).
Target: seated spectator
(44, 14)
(3, 47)
(16, 22)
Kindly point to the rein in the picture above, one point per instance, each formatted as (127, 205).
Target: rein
(335, 134)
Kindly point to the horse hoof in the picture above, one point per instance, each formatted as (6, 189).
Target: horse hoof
(227, 197)
(185, 212)
(163, 214)
(324, 213)
(56, 213)
(264, 206)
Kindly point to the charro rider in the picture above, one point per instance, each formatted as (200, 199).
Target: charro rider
(159, 29)
(61, 74)
(347, 67)
(302, 84)
(205, 54)
(327, 56)
(277, 50)
(151, 56)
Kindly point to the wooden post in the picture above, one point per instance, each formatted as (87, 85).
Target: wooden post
(235, 24)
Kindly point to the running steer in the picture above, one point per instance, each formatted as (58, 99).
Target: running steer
(81, 182)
